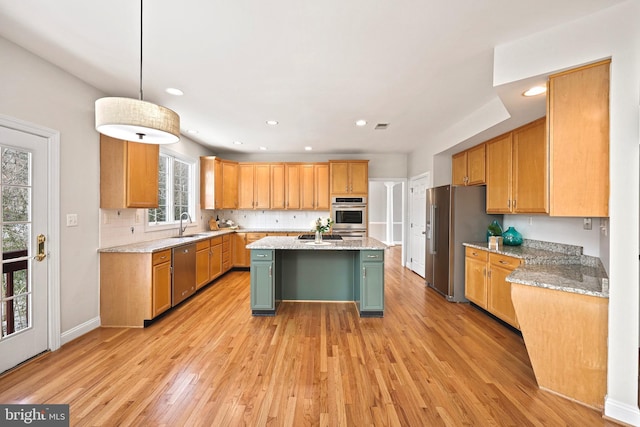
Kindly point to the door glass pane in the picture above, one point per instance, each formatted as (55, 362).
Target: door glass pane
(15, 191)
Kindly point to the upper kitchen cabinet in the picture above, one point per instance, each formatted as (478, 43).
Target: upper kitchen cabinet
(517, 170)
(578, 129)
(128, 174)
(218, 183)
(468, 167)
(292, 185)
(254, 182)
(349, 177)
(278, 195)
(314, 184)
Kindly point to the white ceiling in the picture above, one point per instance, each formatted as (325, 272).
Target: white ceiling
(315, 66)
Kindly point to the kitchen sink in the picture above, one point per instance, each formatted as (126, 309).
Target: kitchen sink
(187, 236)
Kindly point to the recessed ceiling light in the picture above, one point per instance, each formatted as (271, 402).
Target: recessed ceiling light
(237, 142)
(263, 148)
(272, 122)
(361, 122)
(192, 131)
(307, 148)
(174, 91)
(536, 90)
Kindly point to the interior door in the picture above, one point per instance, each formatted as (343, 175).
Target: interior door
(23, 293)
(418, 224)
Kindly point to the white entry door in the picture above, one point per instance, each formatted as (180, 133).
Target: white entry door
(417, 224)
(23, 220)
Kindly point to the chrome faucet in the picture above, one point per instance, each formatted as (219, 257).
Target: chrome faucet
(180, 229)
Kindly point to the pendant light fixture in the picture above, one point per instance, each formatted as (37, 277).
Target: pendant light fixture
(135, 119)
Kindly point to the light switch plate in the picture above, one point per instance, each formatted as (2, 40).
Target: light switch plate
(72, 220)
(587, 224)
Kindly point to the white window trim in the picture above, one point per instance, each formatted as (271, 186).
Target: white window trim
(192, 209)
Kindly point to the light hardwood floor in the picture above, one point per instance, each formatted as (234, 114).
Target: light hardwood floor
(210, 363)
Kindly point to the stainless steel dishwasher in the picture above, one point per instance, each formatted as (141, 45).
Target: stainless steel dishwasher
(183, 273)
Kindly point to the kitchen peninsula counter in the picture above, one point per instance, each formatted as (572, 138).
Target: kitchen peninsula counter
(560, 298)
(289, 269)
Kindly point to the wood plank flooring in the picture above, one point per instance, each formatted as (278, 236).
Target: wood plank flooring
(210, 363)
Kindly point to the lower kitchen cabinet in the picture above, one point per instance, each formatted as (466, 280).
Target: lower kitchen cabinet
(486, 285)
(263, 283)
(370, 295)
(215, 257)
(226, 253)
(134, 287)
(202, 263)
(475, 275)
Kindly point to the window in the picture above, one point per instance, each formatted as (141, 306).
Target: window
(176, 189)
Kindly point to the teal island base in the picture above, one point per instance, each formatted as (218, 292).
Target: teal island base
(317, 275)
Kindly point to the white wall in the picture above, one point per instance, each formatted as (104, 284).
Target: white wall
(35, 91)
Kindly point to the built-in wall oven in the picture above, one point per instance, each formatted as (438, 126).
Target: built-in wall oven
(349, 215)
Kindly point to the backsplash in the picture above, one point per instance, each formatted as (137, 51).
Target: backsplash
(276, 220)
(126, 226)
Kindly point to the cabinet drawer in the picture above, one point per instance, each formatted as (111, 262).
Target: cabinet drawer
(203, 244)
(372, 255)
(477, 254)
(261, 255)
(216, 241)
(504, 261)
(160, 257)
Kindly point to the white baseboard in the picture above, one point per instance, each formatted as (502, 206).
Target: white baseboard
(79, 330)
(618, 411)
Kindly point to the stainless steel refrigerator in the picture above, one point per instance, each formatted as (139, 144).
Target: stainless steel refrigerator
(454, 215)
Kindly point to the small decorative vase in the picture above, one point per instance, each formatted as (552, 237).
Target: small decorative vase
(318, 237)
(512, 237)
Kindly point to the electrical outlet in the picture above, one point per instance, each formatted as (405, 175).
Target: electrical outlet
(72, 220)
(587, 224)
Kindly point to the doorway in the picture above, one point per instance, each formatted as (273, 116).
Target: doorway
(28, 182)
(417, 223)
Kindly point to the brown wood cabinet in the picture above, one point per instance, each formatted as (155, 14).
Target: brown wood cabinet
(128, 174)
(218, 183)
(254, 182)
(226, 253)
(278, 186)
(517, 170)
(292, 186)
(349, 177)
(499, 290)
(475, 276)
(314, 183)
(485, 283)
(134, 287)
(578, 129)
(215, 257)
(468, 167)
(202, 263)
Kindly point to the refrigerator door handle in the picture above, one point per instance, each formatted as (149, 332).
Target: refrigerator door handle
(434, 229)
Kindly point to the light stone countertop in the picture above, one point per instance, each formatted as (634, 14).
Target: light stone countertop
(554, 266)
(167, 243)
(292, 243)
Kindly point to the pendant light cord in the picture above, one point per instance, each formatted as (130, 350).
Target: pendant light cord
(141, 94)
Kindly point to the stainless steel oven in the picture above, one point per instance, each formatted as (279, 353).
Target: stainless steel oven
(349, 214)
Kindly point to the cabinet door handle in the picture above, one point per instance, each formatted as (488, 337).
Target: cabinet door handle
(509, 204)
(474, 253)
(270, 270)
(372, 256)
(261, 255)
(364, 272)
(504, 262)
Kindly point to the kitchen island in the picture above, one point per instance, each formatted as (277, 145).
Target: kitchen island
(289, 269)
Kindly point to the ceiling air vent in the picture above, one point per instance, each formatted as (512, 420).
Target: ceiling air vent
(381, 126)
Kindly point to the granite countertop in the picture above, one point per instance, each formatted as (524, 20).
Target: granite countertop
(292, 243)
(554, 266)
(167, 243)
